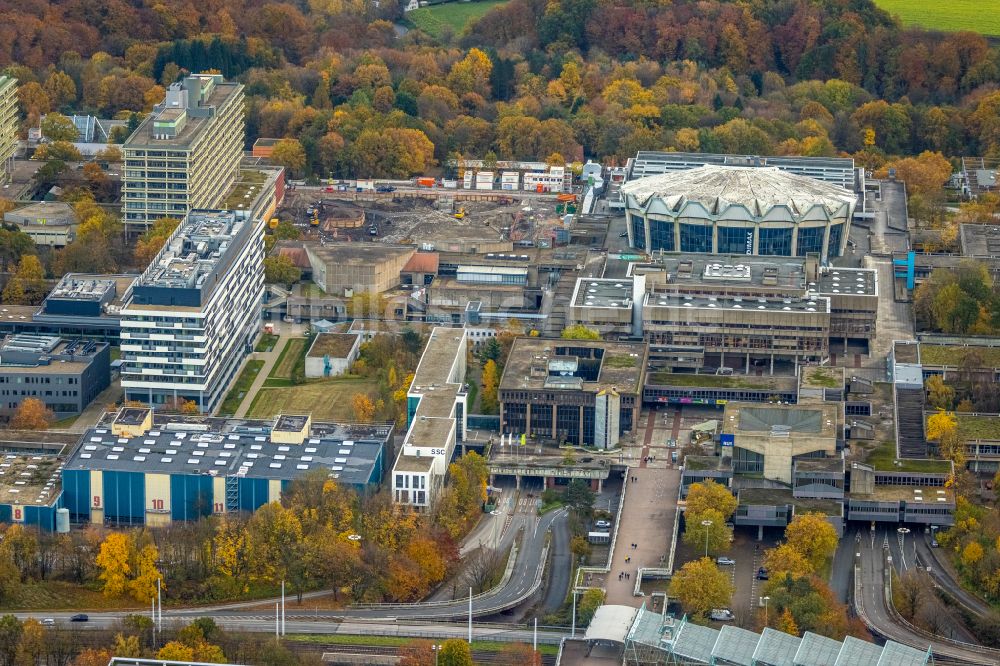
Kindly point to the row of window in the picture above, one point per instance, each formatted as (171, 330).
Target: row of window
(38, 380)
(419, 481)
(39, 393)
(735, 240)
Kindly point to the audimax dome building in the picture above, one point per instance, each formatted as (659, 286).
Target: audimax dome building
(738, 210)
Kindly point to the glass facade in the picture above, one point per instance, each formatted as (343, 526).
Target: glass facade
(833, 247)
(638, 232)
(735, 240)
(661, 235)
(775, 242)
(810, 240)
(696, 238)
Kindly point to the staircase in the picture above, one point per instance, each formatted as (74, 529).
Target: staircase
(910, 440)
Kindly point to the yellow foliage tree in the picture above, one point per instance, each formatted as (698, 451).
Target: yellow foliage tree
(813, 536)
(32, 414)
(364, 408)
(972, 553)
(785, 559)
(786, 623)
(939, 394)
(700, 586)
(114, 561)
(490, 384)
(176, 651)
(710, 495)
(580, 332)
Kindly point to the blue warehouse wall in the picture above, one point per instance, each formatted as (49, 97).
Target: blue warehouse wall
(190, 496)
(76, 494)
(253, 494)
(5, 513)
(125, 497)
(44, 517)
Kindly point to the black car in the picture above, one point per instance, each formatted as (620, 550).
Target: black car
(762, 574)
(79, 617)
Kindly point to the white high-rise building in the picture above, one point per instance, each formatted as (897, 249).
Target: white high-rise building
(194, 314)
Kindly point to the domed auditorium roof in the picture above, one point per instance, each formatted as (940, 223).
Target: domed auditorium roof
(757, 188)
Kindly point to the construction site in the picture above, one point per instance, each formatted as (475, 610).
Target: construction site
(455, 222)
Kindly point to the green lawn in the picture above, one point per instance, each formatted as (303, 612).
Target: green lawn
(243, 383)
(883, 457)
(720, 381)
(327, 399)
(452, 15)
(266, 342)
(294, 350)
(949, 15)
(978, 427)
(955, 356)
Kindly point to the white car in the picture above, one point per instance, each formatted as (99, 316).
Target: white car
(722, 560)
(602, 523)
(722, 615)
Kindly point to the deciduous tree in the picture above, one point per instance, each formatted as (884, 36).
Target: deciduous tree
(364, 408)
(32, 414)
(580, 332)
(812, 535)
(785, 559)
(455, 652)
(490, 382)
(290, 154)
(700, 586)
(710, 495)
(718, 536)
(57, 127)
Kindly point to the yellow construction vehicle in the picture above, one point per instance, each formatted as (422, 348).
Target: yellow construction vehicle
(460, 214)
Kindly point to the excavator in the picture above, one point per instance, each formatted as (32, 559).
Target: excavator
(460, 214)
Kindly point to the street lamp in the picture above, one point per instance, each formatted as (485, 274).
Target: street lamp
(765, 599)
(437, 651)
(706, 524)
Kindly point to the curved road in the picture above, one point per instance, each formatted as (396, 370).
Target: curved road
(871, 605)
(941, 573)
(524, 580)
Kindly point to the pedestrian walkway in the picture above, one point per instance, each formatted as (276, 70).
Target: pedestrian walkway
(269, 358)
(105, 400)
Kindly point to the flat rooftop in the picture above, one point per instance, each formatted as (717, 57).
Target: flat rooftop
(603, 293)
(980, 240)
(848, 281)
(145, 135)
(245, 190)
(978, 356)
(762, 382)
(232, 447)
(656, 299)
(56, 213)
(196, 247)
(443, 346)
(757, 419)
(358, 254)
(911, 494)
(45, 354)
(819, 466)
(414, 464)
(620, 364)
(736, 270)
(883, 459)
(706, 463)
(783, 496)
(426, 430)
(29, 480)
(822, 377)
(92, 287)
(978, 427)
(334, 345)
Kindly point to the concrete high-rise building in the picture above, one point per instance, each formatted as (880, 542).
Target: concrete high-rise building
(186, 154)
(194, 314)
(8, 125)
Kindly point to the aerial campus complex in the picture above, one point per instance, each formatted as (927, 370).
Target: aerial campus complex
(694, 318)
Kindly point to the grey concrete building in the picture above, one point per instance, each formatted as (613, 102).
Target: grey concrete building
(50, 223)
(64, 374)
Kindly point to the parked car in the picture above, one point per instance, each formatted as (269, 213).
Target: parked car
(672, 443)
(79, 617)
(934, 543)
(722, 560)
(48, 622)
(762, 574)
(602, 523)
(722, 615)
(623, 234)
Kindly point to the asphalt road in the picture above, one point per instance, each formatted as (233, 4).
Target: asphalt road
(870, 602)
(560, 568)
(942, 576)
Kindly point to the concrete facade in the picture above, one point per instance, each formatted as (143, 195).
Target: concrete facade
(52, 224)
(186, 154)
(9, 122)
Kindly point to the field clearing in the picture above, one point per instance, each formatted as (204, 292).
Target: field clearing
(293, 351)
(453, 15)
(327, 399)
(950, 16)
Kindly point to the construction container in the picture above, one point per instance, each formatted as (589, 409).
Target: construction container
(510, 180)
(425, 182)
(467, 180)
(484, 180)
(449, 184)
